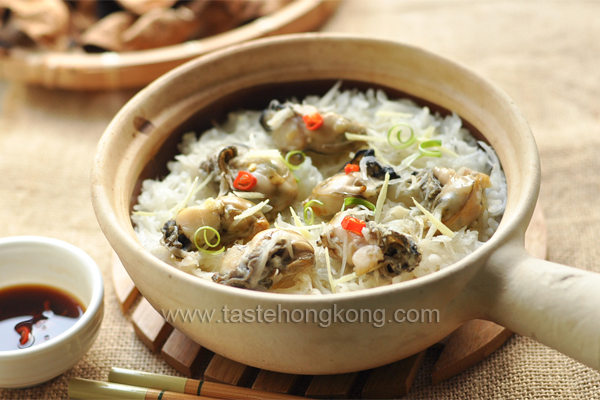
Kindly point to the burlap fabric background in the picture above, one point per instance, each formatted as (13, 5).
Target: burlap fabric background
(544, 54)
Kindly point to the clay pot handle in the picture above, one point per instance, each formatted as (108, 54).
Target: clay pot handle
(556, 305)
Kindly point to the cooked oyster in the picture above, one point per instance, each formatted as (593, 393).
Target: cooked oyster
(462, 198)
(270, 175)
(373, 248)
(270, 252)
(302, 127)
(334, 190)
(423, 186)
(351, 183)
(219, 214)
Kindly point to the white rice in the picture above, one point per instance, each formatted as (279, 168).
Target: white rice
(159, 200)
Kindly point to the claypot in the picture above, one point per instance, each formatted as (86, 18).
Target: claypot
(551, 303)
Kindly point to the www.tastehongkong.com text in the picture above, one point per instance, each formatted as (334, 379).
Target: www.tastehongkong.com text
(323, 317)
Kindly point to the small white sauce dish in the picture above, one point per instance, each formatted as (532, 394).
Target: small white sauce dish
(33, 260)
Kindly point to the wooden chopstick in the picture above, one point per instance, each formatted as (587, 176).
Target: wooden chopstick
(191, 386)
(89, 389)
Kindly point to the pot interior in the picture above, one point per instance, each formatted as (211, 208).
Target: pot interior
(258, 98)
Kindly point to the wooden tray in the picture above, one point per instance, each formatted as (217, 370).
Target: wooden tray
(107, 71)
(467, 346)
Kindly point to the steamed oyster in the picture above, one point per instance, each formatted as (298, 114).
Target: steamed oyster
(269, 253)
(303, 127)
(368, 246)
(462, 198)
(261, 172)
(222, 215)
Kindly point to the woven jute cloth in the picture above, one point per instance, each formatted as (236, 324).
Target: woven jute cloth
(544, 54)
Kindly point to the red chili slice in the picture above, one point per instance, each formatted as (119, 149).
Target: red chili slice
(24, 332)
(313, 121)
(353, 224)
(244, 181)
(349, 168)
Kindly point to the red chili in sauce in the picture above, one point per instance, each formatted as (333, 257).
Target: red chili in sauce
(33, 314)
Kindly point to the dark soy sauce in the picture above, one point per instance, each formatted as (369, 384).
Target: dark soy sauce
(33, 314)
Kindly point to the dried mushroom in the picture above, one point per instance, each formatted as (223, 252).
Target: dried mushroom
(161, 27)
(105, 35)
(141, 7)
(45, 22)
(121, 25)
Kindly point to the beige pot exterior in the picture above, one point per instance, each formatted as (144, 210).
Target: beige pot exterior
(487, 284)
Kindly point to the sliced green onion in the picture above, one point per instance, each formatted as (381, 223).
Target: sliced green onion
(382, 197)
(449, 152)
(428, 144)
(396, 131)
(213, 252)
(364, 138)
(423, 152)
(355, 201)
(410, 159)
(308, 208)
(291, 154)
(206, 241)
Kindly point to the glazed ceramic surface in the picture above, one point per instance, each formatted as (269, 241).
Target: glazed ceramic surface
(44, 261)
(499, 281)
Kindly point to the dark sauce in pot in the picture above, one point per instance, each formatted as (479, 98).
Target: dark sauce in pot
(33, 314)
